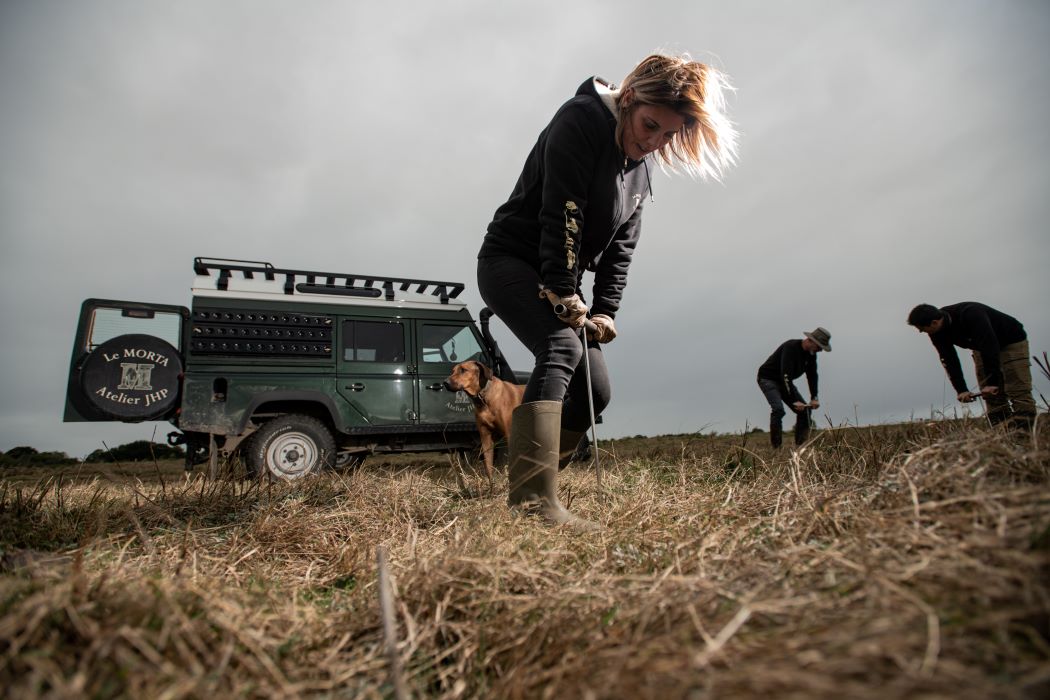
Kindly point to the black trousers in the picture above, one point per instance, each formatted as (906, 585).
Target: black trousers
(510, 287)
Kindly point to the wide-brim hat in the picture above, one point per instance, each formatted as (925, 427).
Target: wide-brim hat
(821, 337)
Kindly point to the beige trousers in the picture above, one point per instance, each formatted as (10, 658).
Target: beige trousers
(1017, 381)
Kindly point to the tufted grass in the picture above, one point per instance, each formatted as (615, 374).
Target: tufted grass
(895, 561)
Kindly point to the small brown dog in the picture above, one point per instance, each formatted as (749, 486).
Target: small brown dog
(494, 400)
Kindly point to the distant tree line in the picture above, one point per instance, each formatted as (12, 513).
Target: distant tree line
(137, 451)
(27, 457)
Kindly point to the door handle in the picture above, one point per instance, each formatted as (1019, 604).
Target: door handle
(436, 387)
(355, 387)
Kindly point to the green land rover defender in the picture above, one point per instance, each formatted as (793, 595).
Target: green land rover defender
(295, 370)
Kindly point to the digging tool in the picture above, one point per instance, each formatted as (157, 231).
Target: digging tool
(588, 325)
(975, 395)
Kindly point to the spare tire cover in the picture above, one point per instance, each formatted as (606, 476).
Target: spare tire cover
(132, 377)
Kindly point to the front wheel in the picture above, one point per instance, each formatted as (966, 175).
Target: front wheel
(291, 447)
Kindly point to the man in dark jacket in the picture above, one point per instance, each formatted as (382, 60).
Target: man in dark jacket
(1000, 357)
(776, 380)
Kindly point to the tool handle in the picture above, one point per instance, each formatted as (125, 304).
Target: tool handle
(974, 395)
(559, 310)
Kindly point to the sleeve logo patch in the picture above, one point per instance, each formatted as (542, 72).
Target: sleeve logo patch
(572, 229)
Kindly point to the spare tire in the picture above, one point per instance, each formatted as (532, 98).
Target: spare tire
(132, 377)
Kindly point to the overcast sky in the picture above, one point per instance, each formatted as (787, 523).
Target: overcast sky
(892, 152)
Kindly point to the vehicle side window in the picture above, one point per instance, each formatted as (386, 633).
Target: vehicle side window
(108, 323)
(448, 344)
(373, 341)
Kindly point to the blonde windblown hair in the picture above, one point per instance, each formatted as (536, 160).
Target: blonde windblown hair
(706, 144)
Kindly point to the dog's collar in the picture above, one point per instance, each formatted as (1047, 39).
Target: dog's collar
(480, 396)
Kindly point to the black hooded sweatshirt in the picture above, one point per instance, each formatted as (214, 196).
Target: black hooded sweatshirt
(975, 326)
(787, 363)
(577, 204)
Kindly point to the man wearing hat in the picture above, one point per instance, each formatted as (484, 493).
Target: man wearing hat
(776, 380)
(1000, 356)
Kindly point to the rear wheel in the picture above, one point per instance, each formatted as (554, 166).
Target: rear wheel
(291, 447)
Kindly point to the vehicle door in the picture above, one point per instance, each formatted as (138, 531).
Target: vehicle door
(127, 361)
(440, 346)
(373, 370)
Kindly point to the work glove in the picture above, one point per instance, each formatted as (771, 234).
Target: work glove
(604, 329)
(571, 309)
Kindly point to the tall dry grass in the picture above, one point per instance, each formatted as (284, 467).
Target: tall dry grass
(907, 561)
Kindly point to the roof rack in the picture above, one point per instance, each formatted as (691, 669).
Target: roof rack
(309, 282)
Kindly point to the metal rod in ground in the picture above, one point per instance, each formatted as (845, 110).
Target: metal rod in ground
(978, 396)
(213, 458)
(386, 608)
(590, 405)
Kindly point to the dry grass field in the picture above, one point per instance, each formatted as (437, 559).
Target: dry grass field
(896, 561)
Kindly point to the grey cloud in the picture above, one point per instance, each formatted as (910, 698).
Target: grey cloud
(892, 153)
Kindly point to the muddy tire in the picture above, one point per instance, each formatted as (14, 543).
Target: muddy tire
(290, 447)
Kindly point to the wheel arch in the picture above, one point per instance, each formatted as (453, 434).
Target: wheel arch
(310, 403)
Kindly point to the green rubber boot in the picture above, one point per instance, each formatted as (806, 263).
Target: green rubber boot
(533, 470)
(567, 444)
